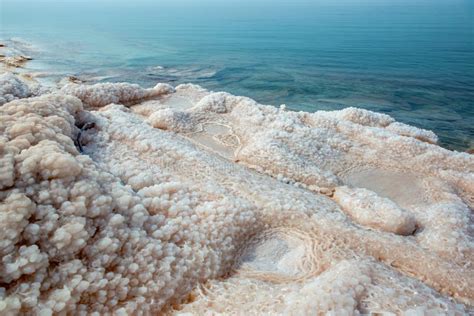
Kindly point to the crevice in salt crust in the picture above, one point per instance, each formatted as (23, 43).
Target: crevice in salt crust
(152, 220)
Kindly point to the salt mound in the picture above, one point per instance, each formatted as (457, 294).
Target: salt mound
(106, 93)
(367, 208)
(12, 88)
(187, 201)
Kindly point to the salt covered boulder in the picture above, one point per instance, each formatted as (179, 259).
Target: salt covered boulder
(102, 94)
(371, 210)
(12, 88)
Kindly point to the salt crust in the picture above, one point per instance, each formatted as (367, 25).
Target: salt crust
(151, 219)
(12, 88)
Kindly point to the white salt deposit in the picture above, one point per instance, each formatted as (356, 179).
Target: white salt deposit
(12, 88)
(368, 209)
(189, 202)
(106, 93)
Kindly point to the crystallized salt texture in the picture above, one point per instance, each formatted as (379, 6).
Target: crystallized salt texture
(136, 252)
(368, 209)
(12, 88)
(102, 94)
(171, 119)
(192, 202)
(411, 131)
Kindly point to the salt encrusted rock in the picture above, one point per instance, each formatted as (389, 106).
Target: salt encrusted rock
(411, 131)
(369, 209)
(101, 94)
(220, 102)
(144, 219)
(169, 119)
(12, 88)
(15, 61)
(363, 117)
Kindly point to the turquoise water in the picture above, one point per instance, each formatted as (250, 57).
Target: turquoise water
(413, 60)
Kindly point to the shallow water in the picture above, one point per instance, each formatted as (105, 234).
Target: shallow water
(412, 60)
(403, 188)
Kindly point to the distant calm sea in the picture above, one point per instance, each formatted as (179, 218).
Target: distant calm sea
(413, 60)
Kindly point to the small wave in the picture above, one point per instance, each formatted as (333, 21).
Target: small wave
(184, 73)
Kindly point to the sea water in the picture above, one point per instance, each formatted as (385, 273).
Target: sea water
(413, 60)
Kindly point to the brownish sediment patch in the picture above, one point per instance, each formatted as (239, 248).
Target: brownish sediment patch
(15, 61)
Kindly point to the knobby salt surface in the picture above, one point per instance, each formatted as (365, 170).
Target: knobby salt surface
(185, 201)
